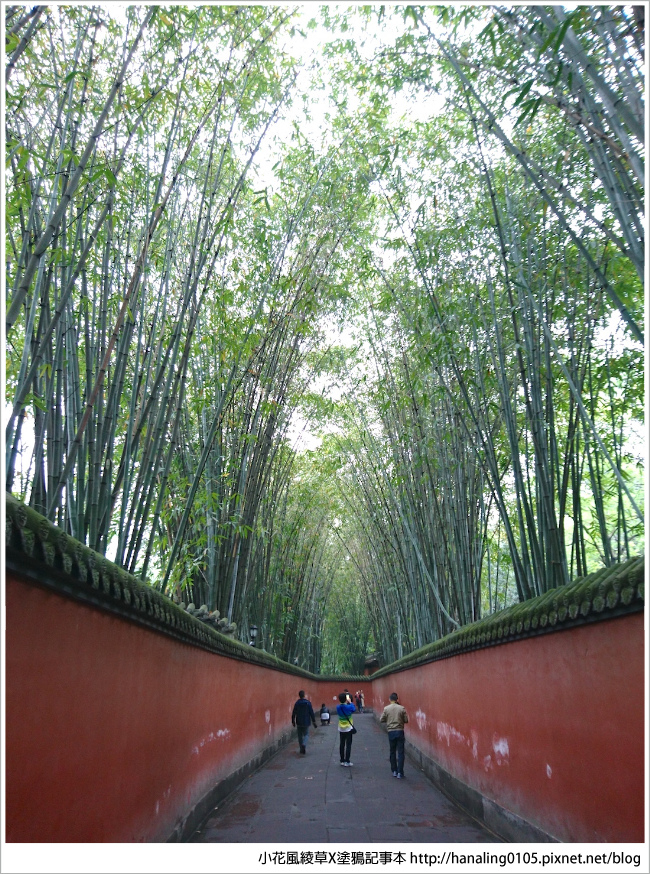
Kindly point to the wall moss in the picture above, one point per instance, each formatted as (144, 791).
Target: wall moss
(604, 594)
(39, 551)
(48, 556)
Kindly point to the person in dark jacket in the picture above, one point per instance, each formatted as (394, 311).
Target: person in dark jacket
(302, 716)
(324, 714)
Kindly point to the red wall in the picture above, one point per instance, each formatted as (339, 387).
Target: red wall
(550, 728)
(113, 732)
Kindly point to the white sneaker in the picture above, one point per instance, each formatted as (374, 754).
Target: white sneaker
(343, 765)
(349, 764)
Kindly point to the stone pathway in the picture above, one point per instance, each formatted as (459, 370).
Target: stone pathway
(312, 799)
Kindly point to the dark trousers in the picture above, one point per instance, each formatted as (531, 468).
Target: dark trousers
(345, 745)
(396, 741)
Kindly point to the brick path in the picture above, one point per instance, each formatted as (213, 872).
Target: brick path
(312, 799)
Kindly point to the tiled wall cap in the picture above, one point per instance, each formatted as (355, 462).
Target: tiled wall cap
(81, 573)
(603, 594)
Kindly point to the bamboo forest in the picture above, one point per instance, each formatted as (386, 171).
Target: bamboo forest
(329, 318)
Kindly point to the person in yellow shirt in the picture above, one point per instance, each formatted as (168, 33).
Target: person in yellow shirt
(344, 711)
(395, 717)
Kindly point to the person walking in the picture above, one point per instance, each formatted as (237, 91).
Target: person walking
(301, 717)
(395, 717)
(344, 710)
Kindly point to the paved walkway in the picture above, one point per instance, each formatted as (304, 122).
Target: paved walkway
(312, 799)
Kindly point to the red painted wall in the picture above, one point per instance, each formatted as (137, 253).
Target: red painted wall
(550, 728)
(113, 731)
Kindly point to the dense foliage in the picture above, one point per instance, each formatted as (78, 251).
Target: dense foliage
(414, 233)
